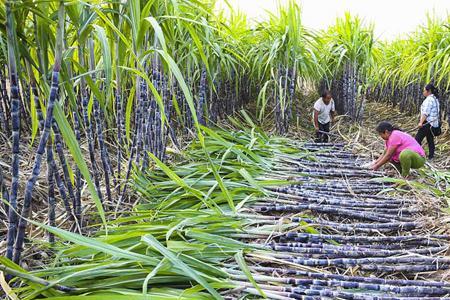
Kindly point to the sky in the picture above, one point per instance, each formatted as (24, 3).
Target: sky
(392, 18)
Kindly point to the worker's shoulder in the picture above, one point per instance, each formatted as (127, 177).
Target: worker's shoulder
(318, 102)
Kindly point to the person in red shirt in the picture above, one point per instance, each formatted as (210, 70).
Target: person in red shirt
(400, 148)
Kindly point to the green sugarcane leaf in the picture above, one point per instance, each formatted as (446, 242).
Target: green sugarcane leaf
(151, 241)
(74, 148)
(250, 179)
(97, 245)
(172, 175)
(239, 257)
(34, 121)
(221, 241)
(106, 56)
(158, 32)
(128, 112)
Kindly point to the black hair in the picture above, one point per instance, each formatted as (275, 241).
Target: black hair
(383, 126)
(325, 93)
(431, 88)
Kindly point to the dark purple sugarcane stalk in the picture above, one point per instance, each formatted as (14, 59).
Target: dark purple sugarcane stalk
(306, 292)
(310, 248)
(417, 239)
(15, 119)
(202, 97)
(65, 168)
(136, 137)
(103, 150)
(51, 190)
(347, 251)
(310, 196)
(141, 94)
(325, 209)
(77, 207)
(394, 226)
(88, 127)
(43, 139)
(370, 280)
(62, 189)
(213, 104)
(440, 262)
(292, 85)
(98, 122)
(366, 287)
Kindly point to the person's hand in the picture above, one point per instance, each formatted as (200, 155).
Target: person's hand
(369, 165)
(375, 167)
(420, 125)
(317, 129)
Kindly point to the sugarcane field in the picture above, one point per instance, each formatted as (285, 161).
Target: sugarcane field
(224, 149)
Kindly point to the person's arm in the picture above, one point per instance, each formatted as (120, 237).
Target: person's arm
(316, 119)
(384, 158)
(379, 158)
(333, 111)
(423, 119)
(425, 111)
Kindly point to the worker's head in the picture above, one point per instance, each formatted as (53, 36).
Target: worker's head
(429, 89)
(385, 129)
(326, 96)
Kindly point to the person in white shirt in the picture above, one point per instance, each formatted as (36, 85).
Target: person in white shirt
(429, 118)
(324, 111)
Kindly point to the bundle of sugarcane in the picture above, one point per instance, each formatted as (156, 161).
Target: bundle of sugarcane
(380, 241)
(299, 193)
(346, 251)
(336, 210)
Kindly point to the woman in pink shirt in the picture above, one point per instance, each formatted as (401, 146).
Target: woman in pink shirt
(401, 149)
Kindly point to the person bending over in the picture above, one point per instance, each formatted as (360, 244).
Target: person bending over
(400, 148)
(324, 111)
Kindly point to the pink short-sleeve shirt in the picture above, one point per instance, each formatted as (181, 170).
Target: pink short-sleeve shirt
(403, 141)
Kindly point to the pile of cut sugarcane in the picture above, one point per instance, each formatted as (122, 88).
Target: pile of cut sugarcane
(263, 217)
(345, 240)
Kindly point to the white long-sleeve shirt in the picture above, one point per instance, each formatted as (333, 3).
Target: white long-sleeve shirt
(430, 108)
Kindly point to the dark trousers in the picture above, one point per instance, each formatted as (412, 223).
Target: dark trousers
(321, 136)
(425, 132)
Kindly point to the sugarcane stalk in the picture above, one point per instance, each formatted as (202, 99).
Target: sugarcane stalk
(98, 123)
(88, 127)
(77, 206)
(15, 119)
(65, 168)
(51, 190)
(43, 139)
(373, 280)
(417, 239)
(325, 209)
(40, 281)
